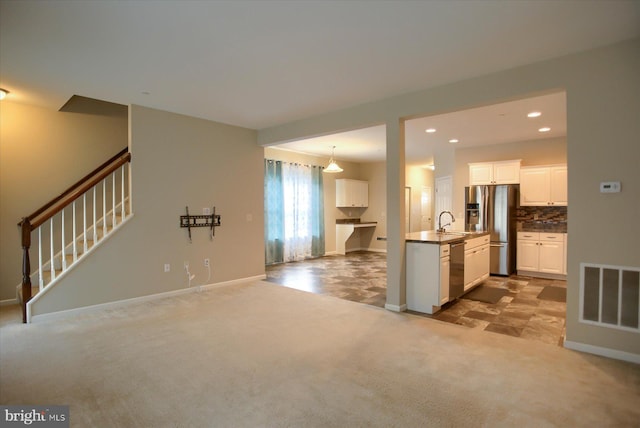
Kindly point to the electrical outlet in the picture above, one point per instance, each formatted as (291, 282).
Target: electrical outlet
(167, 267)
(206, 211)
(206, 262)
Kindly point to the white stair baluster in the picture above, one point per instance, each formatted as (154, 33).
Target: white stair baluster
(95, 226)
(122, 210)
(51, 254)
(40, 279)
(104, 207)
(84, 222)
(73, 233)
(113, 199)
(63, 259)
(129, 193)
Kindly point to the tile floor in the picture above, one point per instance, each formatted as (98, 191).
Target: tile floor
(361, 277)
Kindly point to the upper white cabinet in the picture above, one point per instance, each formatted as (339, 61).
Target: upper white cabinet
(504, 172)
(543, 186)
(352, 193)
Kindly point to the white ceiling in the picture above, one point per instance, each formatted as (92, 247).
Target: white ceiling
(261, 63)
(495, 124)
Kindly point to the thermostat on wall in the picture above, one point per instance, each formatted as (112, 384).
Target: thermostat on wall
(610, 187)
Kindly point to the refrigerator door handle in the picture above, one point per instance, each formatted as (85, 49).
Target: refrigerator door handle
(485, 210)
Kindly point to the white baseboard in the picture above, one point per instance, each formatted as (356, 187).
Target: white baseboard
(395, 308)
(8, 302)
(118, 303)
(373, 250)
(604, 352)
(376, 250)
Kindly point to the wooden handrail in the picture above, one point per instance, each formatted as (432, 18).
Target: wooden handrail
(51, 208)
(57, 204)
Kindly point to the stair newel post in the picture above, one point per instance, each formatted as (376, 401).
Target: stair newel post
(26, 266)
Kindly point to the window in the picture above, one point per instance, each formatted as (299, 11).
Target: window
(294, 212)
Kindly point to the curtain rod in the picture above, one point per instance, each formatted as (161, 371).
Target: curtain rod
(295, 163)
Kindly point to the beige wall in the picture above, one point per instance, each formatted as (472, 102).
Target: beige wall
(42, 153)
(177, 161)
(375, 173)
(602, 88)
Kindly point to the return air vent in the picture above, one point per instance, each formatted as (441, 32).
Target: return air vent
(610, 296)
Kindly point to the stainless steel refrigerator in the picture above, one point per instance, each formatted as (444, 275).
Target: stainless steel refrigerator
(493, 209)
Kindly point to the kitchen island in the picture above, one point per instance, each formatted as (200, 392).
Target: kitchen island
(442, 266)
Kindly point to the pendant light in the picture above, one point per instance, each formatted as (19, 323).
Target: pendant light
(333, 166)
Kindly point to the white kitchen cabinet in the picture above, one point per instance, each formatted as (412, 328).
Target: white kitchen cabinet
(528, 252)
(558, 192)
(551, 256)
(445, 266)
(476, 261)
(541, 254)
(427, 267)
(352, 193)
(543, 186)
(504, 172)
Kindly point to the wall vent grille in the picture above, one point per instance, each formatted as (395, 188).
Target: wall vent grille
(610, 296)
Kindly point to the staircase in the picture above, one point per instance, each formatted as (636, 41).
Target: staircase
(69, 227)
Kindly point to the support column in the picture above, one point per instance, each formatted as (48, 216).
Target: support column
(396, 292)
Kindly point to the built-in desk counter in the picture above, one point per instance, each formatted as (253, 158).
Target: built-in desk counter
(345, 229)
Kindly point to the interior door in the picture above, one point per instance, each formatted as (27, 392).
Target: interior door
(444, 191)
(425, 209)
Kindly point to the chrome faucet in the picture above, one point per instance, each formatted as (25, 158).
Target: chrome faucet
(440, 227)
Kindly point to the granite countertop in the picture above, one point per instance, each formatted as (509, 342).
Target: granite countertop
(433, 237)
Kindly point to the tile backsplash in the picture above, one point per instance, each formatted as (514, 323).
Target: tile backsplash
(547, 219)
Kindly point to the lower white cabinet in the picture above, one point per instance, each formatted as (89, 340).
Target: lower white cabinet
(445, 266)
(476, 261)
(541, 253)
(427, 268)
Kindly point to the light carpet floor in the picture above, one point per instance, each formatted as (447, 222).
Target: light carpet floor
(262, 355)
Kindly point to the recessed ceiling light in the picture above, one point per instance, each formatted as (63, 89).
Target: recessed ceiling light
(534, 114)
(453, 140)
(3, 93)
(430, 130)
(545, 129)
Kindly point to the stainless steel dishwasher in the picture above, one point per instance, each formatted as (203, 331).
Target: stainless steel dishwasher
(456, 270)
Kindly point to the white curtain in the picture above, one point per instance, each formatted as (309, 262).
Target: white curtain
(298, 212)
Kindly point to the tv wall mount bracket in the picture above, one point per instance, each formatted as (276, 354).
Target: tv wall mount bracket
(206, 220)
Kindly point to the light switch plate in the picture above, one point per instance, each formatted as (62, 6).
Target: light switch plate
(609, 187)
